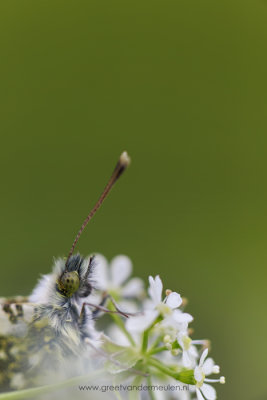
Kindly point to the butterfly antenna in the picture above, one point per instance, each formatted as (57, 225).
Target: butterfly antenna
(122, 164)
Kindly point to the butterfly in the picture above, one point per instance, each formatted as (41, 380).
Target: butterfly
(50, 327)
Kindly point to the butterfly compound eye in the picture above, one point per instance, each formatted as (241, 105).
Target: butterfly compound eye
(69, 283)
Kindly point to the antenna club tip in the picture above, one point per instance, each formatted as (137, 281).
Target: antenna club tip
(125, 159)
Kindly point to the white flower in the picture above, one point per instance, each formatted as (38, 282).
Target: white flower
(114, 280)
(190, 353)
(206, 367)
(181, 320)
(172, 301)
(176, 322)
(154, 306)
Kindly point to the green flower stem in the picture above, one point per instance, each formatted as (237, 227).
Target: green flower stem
(120, 324)
(145, 341)
(117, 394)
(151, 393)
(134, 394)
(161, 367)
(156, 350)
(146, 333)
(40, 390)
(157, 341)
(185, 375)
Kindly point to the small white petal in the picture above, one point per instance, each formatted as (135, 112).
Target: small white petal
(168, 322)
(128, 306)
(121, 269)
(181, 317)
(155, 289)
(193, 351)
(180, 336)
(174, 300)
(208, 366)
(199, 395)
(203, 356)
(198, 374)
(208, 391)
(101, 272)
(142, 322)
(148, 304)
(133, 288)
(186, 359)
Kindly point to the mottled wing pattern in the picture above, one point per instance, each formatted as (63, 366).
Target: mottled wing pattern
(29, 347)
(15, 316)
(25, 344)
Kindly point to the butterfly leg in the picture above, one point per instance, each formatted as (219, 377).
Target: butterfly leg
(100, 308)
(125, 313)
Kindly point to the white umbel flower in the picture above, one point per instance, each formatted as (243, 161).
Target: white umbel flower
(175, 323)
(172, 301)
(154, 306)
(190, 353)
(155, 289)
(206, 367)
(114, 278)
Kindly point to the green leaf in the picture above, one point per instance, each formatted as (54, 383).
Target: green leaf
(120, 358)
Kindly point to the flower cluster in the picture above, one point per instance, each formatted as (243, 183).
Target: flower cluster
(133, 343)
(153, 345)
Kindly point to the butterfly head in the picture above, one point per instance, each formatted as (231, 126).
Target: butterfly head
(75, 277)
(69, 283)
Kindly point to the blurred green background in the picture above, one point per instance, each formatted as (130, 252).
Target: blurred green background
(182, 86)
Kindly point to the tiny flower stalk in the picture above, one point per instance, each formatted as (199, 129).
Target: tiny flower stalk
(156, 350)
(185, 376)
(146, 334)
